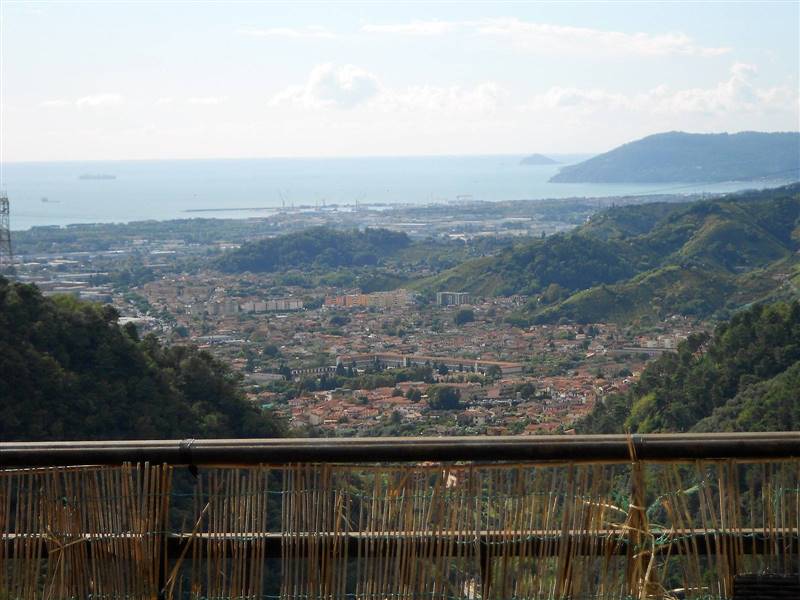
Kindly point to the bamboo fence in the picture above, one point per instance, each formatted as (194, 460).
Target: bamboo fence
(439, 531)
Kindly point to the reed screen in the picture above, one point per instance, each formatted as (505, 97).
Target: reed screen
(408, 531)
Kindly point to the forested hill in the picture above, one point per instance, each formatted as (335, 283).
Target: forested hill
(746, 377)
(692, 157)
(68, 371)
(650, 261)
(320, 247)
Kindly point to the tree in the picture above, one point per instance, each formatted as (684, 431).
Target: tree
(494, 372)
(414, 394)
(464, 315)
(525, 390)
(69, 371)
(553, 293)
(339, 320)
(715, 383)
(444, 397)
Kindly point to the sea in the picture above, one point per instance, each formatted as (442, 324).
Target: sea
(60, 193)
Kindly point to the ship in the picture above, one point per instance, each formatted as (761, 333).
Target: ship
(96, 176)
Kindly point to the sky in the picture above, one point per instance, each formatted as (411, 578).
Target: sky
(158, 80)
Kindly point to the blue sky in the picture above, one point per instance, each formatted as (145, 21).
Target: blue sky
(119, 80)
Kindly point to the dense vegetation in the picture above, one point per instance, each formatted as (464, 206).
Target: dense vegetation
(320, 247)
(68, 371)
(464, 315)
(746, 377)
(650, 261)
(692, 157)
(570, 261)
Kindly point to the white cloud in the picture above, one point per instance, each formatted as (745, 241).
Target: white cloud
(332, 86)
(544, 37)
(414, 28)
(344, 87)
(558, 39)
(313, 31)
(91, 101)
(483, 98)
(164, 100)
(57, 103)
(95, 100)
(570, 98)
(207, 100)
(737, 94)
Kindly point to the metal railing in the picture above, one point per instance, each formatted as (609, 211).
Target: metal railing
(563, 448)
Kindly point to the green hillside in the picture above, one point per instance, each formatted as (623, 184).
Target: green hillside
(650, 261)
(771, 405)
(571, 262)
(631, 220)
(659, 292)
(68, 371)
(692, 157)
(746, 377)
(315, 247)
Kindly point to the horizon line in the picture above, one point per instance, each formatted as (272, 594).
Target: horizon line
(351, 156)
(302, 157)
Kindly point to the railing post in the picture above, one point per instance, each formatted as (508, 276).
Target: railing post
(485, 560)
(638, 532)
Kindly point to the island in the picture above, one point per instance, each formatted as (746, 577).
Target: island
(537, 159)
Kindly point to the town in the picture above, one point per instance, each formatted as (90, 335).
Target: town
(332, 359)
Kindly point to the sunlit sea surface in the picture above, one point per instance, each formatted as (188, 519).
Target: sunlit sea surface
(55, 194)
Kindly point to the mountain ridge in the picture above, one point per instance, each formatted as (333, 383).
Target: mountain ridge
(698, 259)
(680, 157)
